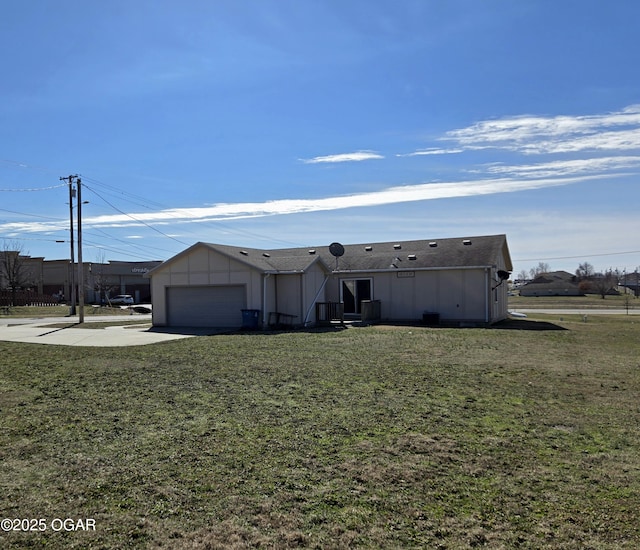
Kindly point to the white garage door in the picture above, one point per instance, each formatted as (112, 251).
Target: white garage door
(205, 306)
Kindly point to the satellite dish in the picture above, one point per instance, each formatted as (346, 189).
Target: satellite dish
(336, 249)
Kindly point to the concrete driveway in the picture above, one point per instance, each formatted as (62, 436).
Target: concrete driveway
(44, 331)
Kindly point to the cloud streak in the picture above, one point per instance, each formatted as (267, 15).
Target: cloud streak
(564, 168)
(431, 151)
(223, 212)
(358, 156)
(618, 131)
(608, 143)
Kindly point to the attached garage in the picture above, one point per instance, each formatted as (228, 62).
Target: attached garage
(205, 306)
(209, 285)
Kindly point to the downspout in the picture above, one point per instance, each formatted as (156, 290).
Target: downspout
(264, 299)
(315, 299)
(487, 295)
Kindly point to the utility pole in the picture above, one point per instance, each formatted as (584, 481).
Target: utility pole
(80, 264)
(72, 283)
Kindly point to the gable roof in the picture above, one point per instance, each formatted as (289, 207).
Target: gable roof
(269, 261)
(479, 251)
(560, 277)
(265, 261)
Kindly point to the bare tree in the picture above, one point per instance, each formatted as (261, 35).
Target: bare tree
(541, 268)
(604, 282)
(15, 273)
(103, 282)
(585, 270)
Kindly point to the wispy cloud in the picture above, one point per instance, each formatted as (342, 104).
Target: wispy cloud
(563, 168)
(391, 195)
(619, 131)
(344, 157)
(602, 138)
(431, 151)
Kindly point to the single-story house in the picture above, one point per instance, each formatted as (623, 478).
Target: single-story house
(453, 281)
(555, 283)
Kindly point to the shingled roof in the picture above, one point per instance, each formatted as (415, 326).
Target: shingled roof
(478, 251)
(422, 254)
(269, 261)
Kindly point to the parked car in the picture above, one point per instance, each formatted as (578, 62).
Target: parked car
(121, 300)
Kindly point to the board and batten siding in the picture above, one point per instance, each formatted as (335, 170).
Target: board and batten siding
(455, 294)
(201, 268)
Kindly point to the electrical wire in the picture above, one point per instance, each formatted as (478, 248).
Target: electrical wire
(134, 218)
(141, 201)
(144, 248)
(31, 215)
(216, 224)
(580, 256)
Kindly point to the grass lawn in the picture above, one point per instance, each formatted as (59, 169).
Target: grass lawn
(379, 437)
(590, 301)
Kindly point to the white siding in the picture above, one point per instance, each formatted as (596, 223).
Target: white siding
(201, 268)
(455, 294)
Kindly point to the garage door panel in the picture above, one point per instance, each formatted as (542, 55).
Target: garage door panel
(206, 306)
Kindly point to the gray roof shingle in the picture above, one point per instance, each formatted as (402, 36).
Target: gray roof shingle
(418, 254)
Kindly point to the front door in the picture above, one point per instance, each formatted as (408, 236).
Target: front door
(353, 291)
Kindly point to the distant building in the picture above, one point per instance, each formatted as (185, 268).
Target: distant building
(53, 278)
(555, 283)
(631, 282)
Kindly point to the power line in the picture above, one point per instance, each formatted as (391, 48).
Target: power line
(133, 218)
(30, 215)
(582, 256)
(220, 224)
(119, 251)
(143, 202)
(145, 248)
(116, 192)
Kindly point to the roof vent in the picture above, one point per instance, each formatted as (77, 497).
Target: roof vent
(433, 244)
(266, 255)
(368, 248)
(244, 253)
(411, 256)
(397, 246)
(466, 242)
(312, 251)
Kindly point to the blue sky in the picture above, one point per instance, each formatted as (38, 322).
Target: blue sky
(278, 123)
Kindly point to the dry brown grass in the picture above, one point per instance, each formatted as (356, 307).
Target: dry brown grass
(408, 437)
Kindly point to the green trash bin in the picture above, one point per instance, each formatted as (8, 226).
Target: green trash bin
(250, 319)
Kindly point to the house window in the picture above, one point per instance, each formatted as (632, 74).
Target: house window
(352, 292)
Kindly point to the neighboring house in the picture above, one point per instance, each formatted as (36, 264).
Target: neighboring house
(453, 281)
(556, 283)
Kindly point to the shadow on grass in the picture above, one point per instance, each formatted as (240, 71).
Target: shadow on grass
(192, 331)
(526, 324)
(508, 324)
